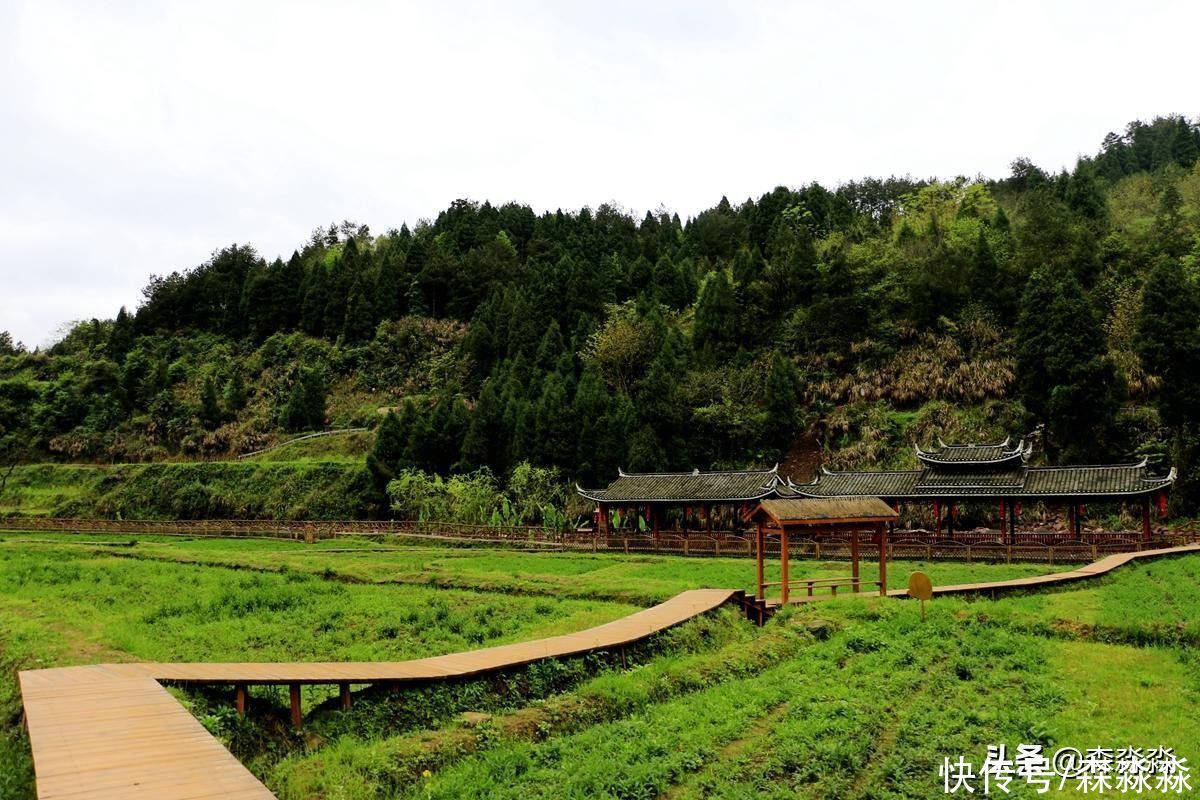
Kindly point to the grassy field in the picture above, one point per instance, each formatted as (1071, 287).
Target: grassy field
(855, 698)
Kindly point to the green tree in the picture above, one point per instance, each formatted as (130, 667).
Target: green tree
(210, 406)
(391, 452)
(486, 440)
(305, 406)
(591, 407)
(234, 397)
(1066, 377)
(554, 426)
(781, 407)
(715, 332)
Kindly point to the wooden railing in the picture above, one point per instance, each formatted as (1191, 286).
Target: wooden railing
(1032, 547)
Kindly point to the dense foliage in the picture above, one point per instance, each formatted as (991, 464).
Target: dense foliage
(874, 313)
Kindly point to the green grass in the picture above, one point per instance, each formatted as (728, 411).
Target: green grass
(854, 698)
(250, 489)
(344, 447)
(641, 579)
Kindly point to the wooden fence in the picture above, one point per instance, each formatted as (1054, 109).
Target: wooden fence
(974, 546)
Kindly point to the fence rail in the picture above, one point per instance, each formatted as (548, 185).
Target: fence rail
(1035, 547)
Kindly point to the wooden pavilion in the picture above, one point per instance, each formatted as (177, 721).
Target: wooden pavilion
(816, 518)
(951, 474)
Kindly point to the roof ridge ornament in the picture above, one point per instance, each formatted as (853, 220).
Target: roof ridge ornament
(620, 472)
(941, 444)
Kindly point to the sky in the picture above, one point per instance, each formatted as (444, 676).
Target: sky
(138, 137)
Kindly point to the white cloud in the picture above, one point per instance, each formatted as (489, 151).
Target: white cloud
(136, 138)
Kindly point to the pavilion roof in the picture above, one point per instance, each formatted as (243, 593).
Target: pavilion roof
(1107, 480)
(999, 454)
(682, 487)
(825, 511)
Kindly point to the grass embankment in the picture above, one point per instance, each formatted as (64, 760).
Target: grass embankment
(250, 489)
(852, 698)
(350, 447)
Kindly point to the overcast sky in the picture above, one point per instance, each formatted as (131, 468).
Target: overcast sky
(137, 137)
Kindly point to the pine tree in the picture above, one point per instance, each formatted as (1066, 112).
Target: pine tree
(234, 396)
(487, 438)
(1169, 229)
(359, 326)
(1066, 377)
(316, 297)
(715, 333)
(305, 406)
(210, 406)
(591, 407)
(658, 399)
(646, 452)
(1168, 341)
(120, 339)
(781, 407)
(390, 453)
(554, 431)
(985, 274)
(550, 348)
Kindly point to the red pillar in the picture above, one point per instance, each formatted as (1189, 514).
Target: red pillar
(783, 563)
(937, 516)
(882, 560)
(758, 557)
(1146, 519)
(854, 558)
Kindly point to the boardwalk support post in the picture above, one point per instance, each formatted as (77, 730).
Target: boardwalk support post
(294, 692)
(240, 698)
(344, 690)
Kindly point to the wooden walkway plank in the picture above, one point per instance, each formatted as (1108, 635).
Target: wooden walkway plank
(112, 730)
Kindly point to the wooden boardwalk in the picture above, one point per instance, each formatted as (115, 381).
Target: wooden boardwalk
(1093, 570)
(113, 731)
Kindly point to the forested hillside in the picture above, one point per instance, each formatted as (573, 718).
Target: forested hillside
(866, 316)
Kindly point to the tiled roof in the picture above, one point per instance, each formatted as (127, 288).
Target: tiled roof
(1118, 479)
(693, 486)
(978, 454)
(807, 509)
(1080, 481)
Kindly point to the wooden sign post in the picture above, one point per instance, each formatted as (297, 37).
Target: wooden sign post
(920, 587)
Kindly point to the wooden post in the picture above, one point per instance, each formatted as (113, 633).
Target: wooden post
(294, 691)
(1146, 518)
(240, 698)
(1078, 520)
(882, 560)
(344, 689)
(1072, 512)
(854, 558)
(783, 563)
(758, 557)
(937, 517)
(1003, 521)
